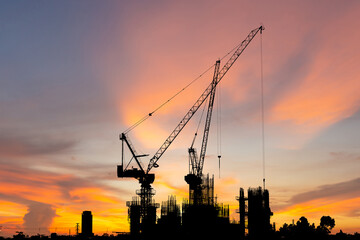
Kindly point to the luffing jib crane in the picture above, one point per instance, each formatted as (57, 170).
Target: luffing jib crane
(146, 178)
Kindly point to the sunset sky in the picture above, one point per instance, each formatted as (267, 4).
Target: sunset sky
(75, 74)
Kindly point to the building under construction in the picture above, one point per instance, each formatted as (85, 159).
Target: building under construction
(206, 219)
(255, 213)
(190, 220)
(141, 225)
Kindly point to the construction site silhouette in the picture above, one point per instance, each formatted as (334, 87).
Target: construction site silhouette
(200, 216)
(204, 218)
(208, 220)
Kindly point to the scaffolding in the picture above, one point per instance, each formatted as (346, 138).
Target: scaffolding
(254, 213)
(139, 225)
(203, 217)
(170, 212)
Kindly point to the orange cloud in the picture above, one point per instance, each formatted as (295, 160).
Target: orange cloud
(10, 209)
(328, 92)
(319, 102)
(64, 195)
(92, 194)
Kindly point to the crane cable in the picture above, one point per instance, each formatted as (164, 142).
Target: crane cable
(143, 119)
(163, 104)
(200, 120)
(262, 108)
(219, 126)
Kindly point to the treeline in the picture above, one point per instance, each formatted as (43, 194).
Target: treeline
(302, 229)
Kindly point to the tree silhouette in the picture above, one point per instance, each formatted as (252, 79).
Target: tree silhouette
(326, 224)
(305, 230)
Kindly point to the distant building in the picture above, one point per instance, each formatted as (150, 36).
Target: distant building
(86, 224)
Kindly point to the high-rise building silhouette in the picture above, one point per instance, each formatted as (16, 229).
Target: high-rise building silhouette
(86, 224)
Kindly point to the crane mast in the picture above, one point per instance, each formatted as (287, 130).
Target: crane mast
(143, 176)
(208, 120)
(195, 162)
(194, 177)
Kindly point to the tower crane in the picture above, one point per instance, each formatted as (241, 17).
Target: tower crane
(194, 178)
(143, 175)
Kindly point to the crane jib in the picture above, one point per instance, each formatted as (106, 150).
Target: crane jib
(202, 98)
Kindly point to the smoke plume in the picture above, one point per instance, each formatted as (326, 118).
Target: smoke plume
(38, 218)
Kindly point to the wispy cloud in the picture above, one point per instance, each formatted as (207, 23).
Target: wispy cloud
(339, 200)
(326, 91)
(338, 191)
(26, 145)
